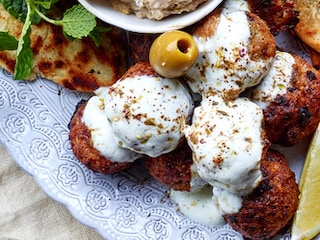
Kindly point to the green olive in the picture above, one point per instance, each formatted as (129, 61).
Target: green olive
(173, 53)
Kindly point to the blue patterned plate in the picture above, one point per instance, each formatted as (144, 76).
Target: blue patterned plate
(34, 119)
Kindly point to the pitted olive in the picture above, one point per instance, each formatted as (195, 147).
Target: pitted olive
(173, 53)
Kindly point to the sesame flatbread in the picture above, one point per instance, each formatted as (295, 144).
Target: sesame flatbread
(308, 28)
(75, 64)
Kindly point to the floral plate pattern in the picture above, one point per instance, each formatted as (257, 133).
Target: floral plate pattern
(34, 118)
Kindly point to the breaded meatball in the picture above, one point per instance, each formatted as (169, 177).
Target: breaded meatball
(289, 96)
(172, 169)
(279, 14)
(236, 50)
(147, 112)
(228, 141)
(176, 169)
(82, 146)
(272, 204)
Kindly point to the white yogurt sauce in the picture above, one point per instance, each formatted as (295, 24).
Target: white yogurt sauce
(196, 181)
(148, 114)
(199, 206)
(275, 82)
(226, 201)
(226, 141)
(101, 132)
(236, 4)
(223, 65)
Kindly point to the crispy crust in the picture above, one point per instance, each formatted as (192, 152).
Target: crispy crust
(295, 115)
(208, 25)
(262, 43)
(173, 169)
(315, 58)
(80, 139)
(272, 204)
(280, 15)
(139, 69)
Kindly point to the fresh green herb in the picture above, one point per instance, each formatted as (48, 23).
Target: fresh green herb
(76, 22)
(95, 34)
(19, 9)
(8, 42)
(24, 60)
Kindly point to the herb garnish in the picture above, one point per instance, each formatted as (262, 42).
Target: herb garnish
(76, 22)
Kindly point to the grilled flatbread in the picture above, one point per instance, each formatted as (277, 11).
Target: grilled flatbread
(78, 64)
(308, 28)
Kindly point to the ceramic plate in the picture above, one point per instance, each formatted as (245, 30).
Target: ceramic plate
(103, 10)
(34, 119)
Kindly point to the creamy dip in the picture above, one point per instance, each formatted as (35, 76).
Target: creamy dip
(199, 206)
(148, 114)
(237, 4)
(224, 65)
(102, 135)
(206, 205)
(155, 9)
(276, 82)
(226, 140)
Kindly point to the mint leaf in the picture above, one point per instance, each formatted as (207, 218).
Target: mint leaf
(19, 9)
(95, 34)
(45, 4)
(24, 61)
(77, 22)
(7, 42)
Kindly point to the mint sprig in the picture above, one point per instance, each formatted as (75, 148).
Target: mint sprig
(24, 60)
(8, 42)
(76, 22)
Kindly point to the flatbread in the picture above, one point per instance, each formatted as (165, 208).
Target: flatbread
(308, 28)
(78, 64)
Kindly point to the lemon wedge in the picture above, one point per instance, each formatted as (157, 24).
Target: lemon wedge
(306, 222)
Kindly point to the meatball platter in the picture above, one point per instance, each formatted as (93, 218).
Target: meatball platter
(126, 202)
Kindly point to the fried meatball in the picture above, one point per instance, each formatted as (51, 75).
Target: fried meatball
(228, 141)
(82, 146)
(172, 169)
(236, 49)
(175, 170)
(279, 14)
(147, 112)
(272, 204)
(289, 96)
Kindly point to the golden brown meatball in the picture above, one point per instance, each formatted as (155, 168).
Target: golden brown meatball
(81, 143)
(262, 44)
(279, 14)
(272, 204)
(229, 61)
(293, 112)
(173, 169)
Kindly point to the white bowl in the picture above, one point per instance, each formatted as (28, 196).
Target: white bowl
(103, 10)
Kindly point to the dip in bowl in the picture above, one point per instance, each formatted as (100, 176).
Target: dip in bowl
(104, 11)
